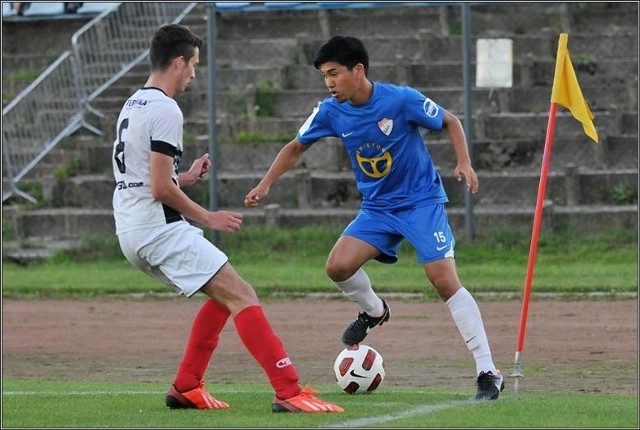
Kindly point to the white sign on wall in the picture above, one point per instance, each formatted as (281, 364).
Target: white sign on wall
(494, 63)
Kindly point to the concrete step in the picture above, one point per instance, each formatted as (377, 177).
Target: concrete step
(525, 154)
(121, 91)
(630, 123)
(73, 157)
(492, 19)
(255, 51)
(65, 225)
(498, 126)
(510, 150)
(283, 103)
(337, 189)
(278, 59)
(236, 25)
(88, 154)
(80, 175)
(236, 79)
(232, 98)
(422, 45)
(534, 96)
(508, 154)
(583, 219)
(137, 76)
(621, 151)
(432, 75)
(58, 223)
(229, 126)
(623, 14)
(591, 71)
(83, 191)
(35, 249)
(523, 18)
(500, 130)
(605, 84)
(425, 46)
(439, 73)
(305, 188)
(569, 188)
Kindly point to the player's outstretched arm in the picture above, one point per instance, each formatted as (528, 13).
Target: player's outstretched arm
(463, 167)
(286, 159)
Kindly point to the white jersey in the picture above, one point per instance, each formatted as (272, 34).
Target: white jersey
(149, 121)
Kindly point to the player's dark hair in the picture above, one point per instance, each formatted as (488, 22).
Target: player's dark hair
(345, 50)
(172, 41)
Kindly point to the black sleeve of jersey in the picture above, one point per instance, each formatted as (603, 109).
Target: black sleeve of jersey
(163, 148)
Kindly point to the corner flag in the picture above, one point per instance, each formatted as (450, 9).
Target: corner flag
(566, 90)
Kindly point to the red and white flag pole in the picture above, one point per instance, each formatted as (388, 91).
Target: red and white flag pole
(565, 92)
(533, 246)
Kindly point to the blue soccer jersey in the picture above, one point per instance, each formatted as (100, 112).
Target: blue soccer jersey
(392, 166)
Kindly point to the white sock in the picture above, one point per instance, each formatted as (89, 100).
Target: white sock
(358, 289)
(466, 315)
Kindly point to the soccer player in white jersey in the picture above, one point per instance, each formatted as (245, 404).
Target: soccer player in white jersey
(402, 193)
(150, 211)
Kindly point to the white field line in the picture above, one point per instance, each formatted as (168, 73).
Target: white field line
(418, 410)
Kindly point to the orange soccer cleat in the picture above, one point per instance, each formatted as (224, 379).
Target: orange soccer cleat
(198, 398)
(305, 401)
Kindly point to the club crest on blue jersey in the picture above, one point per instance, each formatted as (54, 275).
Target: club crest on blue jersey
(385, 125)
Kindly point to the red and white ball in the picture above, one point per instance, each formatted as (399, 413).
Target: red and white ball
(359, 369)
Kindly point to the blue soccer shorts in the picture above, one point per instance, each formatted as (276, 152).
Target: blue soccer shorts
(426, 228)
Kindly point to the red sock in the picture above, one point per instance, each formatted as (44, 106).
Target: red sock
(265, 346)
(203, 339)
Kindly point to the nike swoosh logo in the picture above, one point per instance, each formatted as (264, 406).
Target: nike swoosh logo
(440, 248)
(354, 374)
(347, 134)
(470, 339)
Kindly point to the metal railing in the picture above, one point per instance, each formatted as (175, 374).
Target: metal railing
(56, 104)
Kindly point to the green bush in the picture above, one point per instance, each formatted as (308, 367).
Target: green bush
(623, 194)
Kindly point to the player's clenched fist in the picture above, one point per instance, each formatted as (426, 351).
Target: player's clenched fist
(252, 199)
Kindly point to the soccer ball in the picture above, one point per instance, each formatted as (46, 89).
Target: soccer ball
(359, 369)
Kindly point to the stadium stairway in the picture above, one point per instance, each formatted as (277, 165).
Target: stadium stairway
(262, 60)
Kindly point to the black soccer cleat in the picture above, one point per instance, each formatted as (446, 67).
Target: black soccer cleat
(489, 385)
(358, 330)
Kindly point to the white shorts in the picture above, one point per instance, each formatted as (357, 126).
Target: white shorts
(177, 254)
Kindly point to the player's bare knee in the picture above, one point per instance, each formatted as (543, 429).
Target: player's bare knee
(234, 293)
(338, 272)
(446, 289)
(241, 299)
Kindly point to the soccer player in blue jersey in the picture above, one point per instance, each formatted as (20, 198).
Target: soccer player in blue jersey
(402, 193)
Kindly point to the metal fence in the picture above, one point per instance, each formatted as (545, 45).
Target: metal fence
(58, 102)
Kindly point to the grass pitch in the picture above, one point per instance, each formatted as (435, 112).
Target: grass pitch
(42, 404)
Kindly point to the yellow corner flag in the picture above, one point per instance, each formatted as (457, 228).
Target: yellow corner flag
(566, 90)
